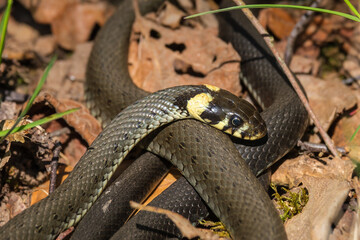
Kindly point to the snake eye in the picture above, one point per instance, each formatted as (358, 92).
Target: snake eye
(236, 121)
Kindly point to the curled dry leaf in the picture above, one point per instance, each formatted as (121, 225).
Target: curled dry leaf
(173, 58)
(45, 45)
(327, 98)
(18, 137)
(304, 65)
(327, 181)
(16, 204)
(326, 197)
(72, 21)
(82, 121)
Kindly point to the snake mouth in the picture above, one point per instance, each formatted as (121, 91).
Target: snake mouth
(252, 134)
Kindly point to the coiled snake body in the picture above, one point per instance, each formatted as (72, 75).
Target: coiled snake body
(247, 216)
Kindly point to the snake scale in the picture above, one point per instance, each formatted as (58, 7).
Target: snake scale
(224, 185)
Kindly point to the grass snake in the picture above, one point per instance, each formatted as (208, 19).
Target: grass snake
(109, 84)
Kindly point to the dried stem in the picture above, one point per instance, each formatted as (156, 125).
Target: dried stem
(291, 78)
(54, 166)
(298, 29)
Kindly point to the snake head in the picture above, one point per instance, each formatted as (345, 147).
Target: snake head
(228, 113)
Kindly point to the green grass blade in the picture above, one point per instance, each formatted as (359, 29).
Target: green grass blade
(345, 15)
(3, 26)
(354, 134)
(352, 8)
(35, 94)
(38, 87)
(39, 122)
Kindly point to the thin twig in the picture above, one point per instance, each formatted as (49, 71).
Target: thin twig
(290, 76)
(59, 132)
(297, 30)
(319, 147)
(352, 80)
(54, 166)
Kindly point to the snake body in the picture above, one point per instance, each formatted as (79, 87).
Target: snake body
(246, 216)
(79, 191)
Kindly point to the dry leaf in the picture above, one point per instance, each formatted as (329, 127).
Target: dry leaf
(327, 98)
(42, 191)
(175, 59)
(171, 16)
(47, 11)
(18, 136)
(77, 22)
(20, 39)
(45, 45)
(346, 128)
(169, 179)
(7, 110)
(326, 197)
(82, 121)
(278, 21)
(292, 171)
(66, 78)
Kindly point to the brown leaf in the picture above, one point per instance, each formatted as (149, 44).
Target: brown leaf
(82, 121)
(169, 179)
(292, 171)
(19, 41)
(326, 197)
(66, 78)
(171, 16)
(304, 65)
(16, 204)
(45, 45)
(346, 128)
(203, 58)
(42, 191)
(327, 99)
(47, 11)
(18, 136)
(77, 22)
(278, 21)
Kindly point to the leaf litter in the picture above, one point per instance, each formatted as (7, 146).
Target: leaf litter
(180, 59)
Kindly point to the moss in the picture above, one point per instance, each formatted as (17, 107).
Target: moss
(290, 203)
(216, 227)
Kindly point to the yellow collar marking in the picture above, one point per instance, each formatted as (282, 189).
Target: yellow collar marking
(198, 104)
(212, 88)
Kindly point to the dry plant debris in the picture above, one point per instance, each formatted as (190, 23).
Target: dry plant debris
(175, 58)
(186, 228)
